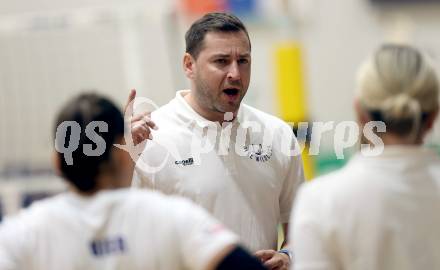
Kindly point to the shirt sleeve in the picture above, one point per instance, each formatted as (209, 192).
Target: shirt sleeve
(307, 237)
(293, 179)
(6, 260)
(13, 241)
(201, 237)
(153, 160)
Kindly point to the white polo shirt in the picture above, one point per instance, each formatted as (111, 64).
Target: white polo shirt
(376, 213)
(124, 229)
(241, 172)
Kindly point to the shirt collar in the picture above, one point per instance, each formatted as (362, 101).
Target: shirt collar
(412, 153)
(190, 114)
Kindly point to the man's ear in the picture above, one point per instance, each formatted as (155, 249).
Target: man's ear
(188, 65)
(362, 116)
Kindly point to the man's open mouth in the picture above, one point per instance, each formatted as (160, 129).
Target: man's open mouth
(231, 91)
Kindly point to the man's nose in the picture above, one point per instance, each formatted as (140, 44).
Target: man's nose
(234, 71)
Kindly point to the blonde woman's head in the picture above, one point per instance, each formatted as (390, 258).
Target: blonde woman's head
(399, 87)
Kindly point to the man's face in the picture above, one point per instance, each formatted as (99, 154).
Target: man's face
(220, 75)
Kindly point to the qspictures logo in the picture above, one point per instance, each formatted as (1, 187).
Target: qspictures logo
(346, 134)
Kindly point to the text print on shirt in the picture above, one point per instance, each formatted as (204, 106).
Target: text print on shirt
(108, 246)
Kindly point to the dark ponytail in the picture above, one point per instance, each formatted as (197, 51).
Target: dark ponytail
(84, 169)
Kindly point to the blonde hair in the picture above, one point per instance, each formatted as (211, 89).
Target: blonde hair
(398, 86)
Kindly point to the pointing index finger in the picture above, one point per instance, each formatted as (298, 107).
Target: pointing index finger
(130, 101)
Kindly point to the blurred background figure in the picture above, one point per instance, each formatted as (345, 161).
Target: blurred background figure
(103, 224)
(304, 55)
(380, 212)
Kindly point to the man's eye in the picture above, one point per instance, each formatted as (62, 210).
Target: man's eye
(221, 61)
(243, 61)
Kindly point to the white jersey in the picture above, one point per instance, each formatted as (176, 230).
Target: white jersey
(241, 172)
(376, 213)
(123, 229)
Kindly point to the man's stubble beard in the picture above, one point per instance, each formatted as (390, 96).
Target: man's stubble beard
(211, 100)
(204, 96)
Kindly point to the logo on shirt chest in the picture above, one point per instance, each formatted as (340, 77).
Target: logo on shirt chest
(258, 152)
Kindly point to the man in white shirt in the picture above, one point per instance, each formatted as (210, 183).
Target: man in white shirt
(230, 158)
(100, 223)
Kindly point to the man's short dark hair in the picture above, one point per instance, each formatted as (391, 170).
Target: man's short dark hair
(211, 22)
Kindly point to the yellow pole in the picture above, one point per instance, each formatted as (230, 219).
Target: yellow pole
(291, 94)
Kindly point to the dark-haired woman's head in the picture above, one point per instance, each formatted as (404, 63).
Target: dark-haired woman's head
(85, 133)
